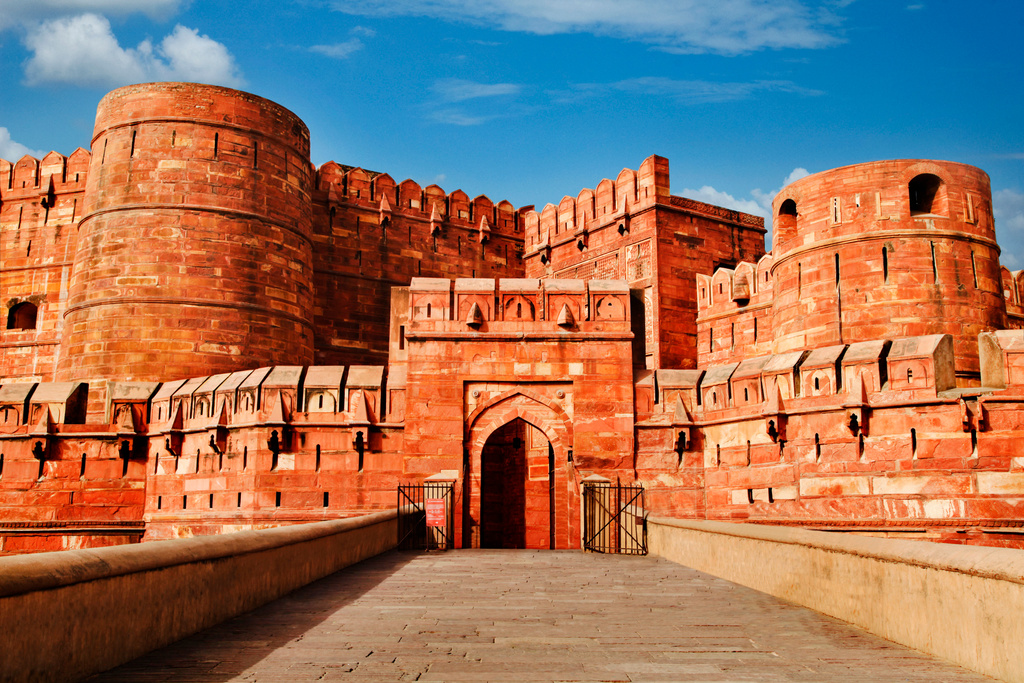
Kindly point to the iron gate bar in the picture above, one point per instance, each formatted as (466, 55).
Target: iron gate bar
(413, 532)
(626, 541)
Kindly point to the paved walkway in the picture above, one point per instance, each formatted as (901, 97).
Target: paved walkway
(506, 615)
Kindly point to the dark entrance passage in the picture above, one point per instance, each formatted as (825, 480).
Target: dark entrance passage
(517, 507)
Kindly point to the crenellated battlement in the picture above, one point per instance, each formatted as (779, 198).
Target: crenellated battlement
(378, 191)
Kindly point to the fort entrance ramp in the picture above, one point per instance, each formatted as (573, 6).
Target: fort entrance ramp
(526, 615)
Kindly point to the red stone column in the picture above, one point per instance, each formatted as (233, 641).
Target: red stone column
(194, 255)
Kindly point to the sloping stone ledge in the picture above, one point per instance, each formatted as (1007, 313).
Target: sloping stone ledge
(961, 603)
(65, 615)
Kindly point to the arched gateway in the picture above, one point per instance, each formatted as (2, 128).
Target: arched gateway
(520, 485)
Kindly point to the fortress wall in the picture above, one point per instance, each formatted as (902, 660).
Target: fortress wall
(371, 235)
(633, 229)
(194, 254)
(899, 248)
(41, 203)
(734, 313)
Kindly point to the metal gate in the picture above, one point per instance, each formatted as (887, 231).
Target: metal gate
(614, 518)
(414, 532)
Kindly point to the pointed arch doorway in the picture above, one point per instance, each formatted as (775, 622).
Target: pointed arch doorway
(521, 489)
(517, 488)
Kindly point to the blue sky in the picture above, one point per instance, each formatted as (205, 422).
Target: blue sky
(529, 100)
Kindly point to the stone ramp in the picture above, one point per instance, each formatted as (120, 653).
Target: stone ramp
(507, 615)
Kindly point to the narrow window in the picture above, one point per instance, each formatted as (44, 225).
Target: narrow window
(771, 497)
(211, 501)
(277, 499)
(974, 269)
(970, 209)
(428, 310)
(816, 387)
(748, 454)
(817, 448)
(401, 337)
(156, 463)
(718, 455)
(132, 152)
(935, 267)
(1, 464)
(837, 214)
(910, 375)
(238, 503)
(81, 468)
(321, 405)
(885, 265)
(327, 499)
(103, 157)
(750, 496)
(255, 151)
(184, 502)
(755, 328)
(719, 287)
(837, 269)
(197, 461)
(159, 502)
(318, 457)
(799, 279)
(746, 397)
(216, 144)
(519, 310)
(174, 135)
(913, 442)
(732, 335)
(714, 398)
(245, 458)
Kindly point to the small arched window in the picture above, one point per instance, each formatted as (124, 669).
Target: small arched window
(927, 194)
(785, 222)
(22, 316)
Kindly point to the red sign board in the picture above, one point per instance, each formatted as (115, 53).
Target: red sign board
(435, 512)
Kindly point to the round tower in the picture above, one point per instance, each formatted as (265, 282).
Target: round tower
(884, 250)
(194, 253)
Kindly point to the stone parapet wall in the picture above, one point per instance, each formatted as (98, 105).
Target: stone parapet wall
(959, 603)
(103, 607)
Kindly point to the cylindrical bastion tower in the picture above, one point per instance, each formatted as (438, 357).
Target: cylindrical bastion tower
(884, 250)
(194, 254)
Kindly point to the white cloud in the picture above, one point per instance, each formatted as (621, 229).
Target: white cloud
(11, 150)
(458, 118)
(339, 50)
(459, 90)
(28, 11)
(710, 195)
(684, 26)
(1008, 207)
(82, 50)
(684, 92)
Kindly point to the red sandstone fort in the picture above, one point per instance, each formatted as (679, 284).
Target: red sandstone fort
(205, 333)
